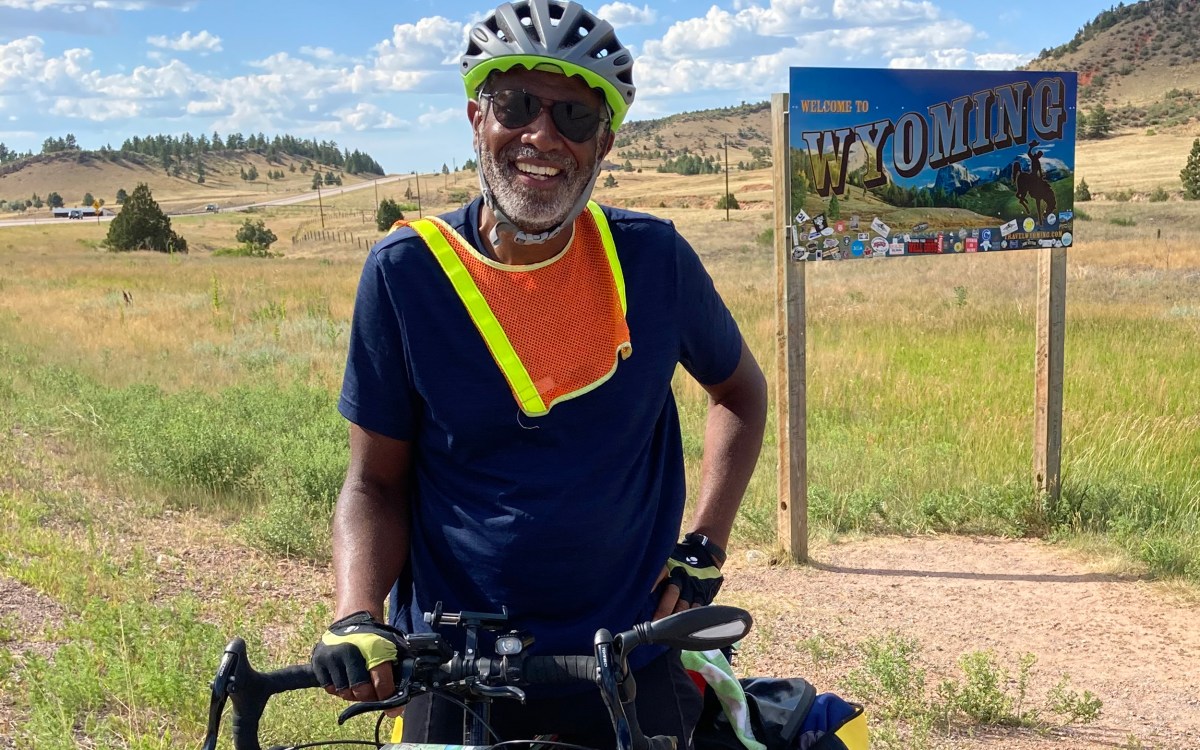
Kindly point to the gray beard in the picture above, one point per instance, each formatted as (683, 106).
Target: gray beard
(532, 212)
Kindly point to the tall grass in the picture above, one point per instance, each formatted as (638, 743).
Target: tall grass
(221, 376)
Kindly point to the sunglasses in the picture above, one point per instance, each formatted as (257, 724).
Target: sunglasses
(514, 108)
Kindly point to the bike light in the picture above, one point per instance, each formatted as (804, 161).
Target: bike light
(509, 645)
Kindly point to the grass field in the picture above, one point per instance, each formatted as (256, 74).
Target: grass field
(208, 393)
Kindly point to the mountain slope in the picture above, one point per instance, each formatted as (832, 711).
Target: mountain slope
(1139, 60)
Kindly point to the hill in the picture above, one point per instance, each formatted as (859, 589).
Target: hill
(1137, 60)
(73, 173)
(650, 143)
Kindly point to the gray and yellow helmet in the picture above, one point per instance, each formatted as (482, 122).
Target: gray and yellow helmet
(551, 34)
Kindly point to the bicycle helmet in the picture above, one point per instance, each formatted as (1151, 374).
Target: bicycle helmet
(559, 33)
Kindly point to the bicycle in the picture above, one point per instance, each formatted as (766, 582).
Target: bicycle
(474, 682)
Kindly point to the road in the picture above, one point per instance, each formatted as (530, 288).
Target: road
(285, 201)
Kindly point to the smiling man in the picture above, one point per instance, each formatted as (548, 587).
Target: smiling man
(514, 440)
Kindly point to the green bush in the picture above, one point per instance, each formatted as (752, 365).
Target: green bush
(142, 225)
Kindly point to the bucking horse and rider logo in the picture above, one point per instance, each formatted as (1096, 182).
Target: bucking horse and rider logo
(1033, 189)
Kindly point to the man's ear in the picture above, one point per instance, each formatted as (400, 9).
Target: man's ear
(606, 145)
(474, 112)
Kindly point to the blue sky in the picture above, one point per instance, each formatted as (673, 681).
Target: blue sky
(381, 77)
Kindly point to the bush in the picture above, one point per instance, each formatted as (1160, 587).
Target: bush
(729, 200)
(142, 225)
(387, 214)
(1159, 194)
(255, 237)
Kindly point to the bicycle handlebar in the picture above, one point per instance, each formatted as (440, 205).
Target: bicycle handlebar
(250, 690)
(695, 629)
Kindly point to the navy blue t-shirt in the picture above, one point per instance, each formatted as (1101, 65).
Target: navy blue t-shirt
(567, 518)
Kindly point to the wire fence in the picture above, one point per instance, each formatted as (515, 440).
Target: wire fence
(336, 235)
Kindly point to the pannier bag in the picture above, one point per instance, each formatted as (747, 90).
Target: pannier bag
(766, 713)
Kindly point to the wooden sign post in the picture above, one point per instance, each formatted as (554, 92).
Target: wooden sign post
(1048, 371)
(791, 404)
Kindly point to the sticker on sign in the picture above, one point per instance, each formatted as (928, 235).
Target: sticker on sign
(1008, 228)
(881, 229)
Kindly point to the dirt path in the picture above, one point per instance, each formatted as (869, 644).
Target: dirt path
(1134, 644)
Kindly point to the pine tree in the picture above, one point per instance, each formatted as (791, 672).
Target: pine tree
(122, 196)
(255, 235)
(1099, 122)
(834, 211)
(388, 214)
(142, 225)
(610, 181)
(1082, 194)
(1190, 175)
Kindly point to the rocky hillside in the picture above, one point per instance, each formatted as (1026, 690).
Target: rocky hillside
(1139, 61)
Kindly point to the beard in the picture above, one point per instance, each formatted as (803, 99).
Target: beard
(531, 210)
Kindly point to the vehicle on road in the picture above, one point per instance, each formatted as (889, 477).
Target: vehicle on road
(75, 213)
(212, 208)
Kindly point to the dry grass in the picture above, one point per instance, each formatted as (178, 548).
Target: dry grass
(1134, 161)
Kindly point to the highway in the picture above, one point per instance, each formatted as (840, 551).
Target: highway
(285, 201)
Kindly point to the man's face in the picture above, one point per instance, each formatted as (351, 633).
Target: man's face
(535, 173)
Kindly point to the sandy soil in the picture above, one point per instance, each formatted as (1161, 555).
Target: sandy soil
(1134, 644)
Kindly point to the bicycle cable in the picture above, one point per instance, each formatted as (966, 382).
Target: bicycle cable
(331, 743)
(455, 700)
(545, 743)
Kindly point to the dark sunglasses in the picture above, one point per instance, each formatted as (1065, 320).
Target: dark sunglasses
(514, 108)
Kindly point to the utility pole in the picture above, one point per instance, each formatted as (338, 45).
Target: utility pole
(320, 205)
(417, 177)
(727, 177)
(376, 192)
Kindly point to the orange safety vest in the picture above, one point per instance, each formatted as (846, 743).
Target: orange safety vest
(556, 329)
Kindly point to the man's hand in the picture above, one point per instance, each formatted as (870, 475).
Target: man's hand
(692, 576)
(354, 658)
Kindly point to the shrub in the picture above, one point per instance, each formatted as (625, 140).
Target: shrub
(142, 225)
(388, 214)
(255, 237)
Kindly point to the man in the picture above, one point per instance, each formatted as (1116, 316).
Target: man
(1035, 160)
(514, 439)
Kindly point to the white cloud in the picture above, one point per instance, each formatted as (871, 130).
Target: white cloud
(717, 32)
(441, 117)
(203, 42)
(1002, 60)
(76, 6)
(623, 14)
(885, 11)
(367, 116)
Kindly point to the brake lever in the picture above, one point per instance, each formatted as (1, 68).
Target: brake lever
(355, 709)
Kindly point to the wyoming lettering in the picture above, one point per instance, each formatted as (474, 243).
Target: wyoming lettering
(956, 161)
(955, 131)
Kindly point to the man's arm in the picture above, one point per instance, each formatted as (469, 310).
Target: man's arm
(737, 416)
(371, 530)
(371, 522)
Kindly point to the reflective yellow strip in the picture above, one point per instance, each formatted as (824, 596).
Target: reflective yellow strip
(610, 249)
(854, 732)
(481, 315)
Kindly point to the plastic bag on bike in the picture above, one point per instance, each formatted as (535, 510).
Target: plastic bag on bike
(765, 713)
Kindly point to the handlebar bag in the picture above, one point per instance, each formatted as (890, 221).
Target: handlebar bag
(767, 713)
